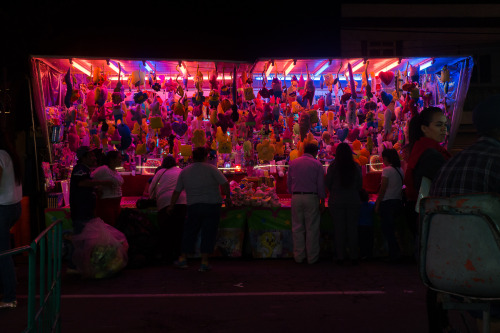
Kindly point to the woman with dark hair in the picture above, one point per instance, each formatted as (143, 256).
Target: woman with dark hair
(108, 202)
(344, 181)
(426, 156)
(170, 225)
(11, 194)
(389, 204)
(426, 131)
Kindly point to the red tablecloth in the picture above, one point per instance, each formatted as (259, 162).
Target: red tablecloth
(134, 185)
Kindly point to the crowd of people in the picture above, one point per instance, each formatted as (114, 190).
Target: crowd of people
(189, 200)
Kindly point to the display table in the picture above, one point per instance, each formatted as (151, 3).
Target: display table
(260, 232)
(135, 185)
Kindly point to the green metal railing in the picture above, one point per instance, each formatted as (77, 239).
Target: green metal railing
(45, 252)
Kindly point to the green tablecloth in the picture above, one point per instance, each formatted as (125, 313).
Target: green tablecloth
(268, 232)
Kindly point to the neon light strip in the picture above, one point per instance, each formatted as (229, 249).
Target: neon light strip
(80, 67)
(426, 65)
(269, 70)
(322, 69)
(289, 68)
(394, 64)
(115, 78)
(358, 66)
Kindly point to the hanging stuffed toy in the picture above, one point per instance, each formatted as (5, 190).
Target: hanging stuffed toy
(180, 128)
(224, 121)
(214, 84)
(75, 95)
(140, 97)
(414, 74)
(118, 94)
(445, 78)
(213, 98)
(329, 81)
(264, 92)
(69, 89)
(276, 87)
(351, 81)
(386, 77)
(96, 75)
(136, 78)
(301, 84)
(126, 136)
(265, 150)
(198, 79)
(137, 115)
(118, 112)
(309, 89)
(101, 94)
(351, 113)
(304, 124)
(199, 138)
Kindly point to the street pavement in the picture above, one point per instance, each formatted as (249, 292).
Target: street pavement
(240, 295)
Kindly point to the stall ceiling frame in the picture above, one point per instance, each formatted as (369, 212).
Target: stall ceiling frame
(301, 66)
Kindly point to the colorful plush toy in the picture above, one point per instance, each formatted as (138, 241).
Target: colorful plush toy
(140, 97)
(126, 136)
(445, 78)
(329, 81)
(265, 150)
(386, 77)
(276, 88)
(214, 84)
(136, 78)
(304, 124)
(199, 138)
(224, 121)
(137, 115)
(180, 128)
(414, 74)
(351, 112)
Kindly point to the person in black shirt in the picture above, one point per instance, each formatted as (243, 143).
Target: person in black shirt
(82, 196)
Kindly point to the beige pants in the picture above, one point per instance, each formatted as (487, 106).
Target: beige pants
(306, 227)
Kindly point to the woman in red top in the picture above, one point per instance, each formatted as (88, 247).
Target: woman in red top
(426, 131)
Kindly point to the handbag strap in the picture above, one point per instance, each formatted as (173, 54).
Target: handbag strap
(401, 176)
(158, 181)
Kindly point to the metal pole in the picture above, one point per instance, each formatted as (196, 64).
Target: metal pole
(47, 136)
(32, 287)
(34, 136)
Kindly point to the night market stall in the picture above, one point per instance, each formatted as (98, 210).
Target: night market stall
(254, 117)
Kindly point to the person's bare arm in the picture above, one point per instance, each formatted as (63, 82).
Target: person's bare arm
(226, 190)
(381, 192)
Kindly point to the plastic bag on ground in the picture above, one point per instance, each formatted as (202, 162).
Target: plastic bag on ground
(100, 250)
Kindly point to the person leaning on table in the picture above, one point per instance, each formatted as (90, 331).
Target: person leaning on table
(202, 182)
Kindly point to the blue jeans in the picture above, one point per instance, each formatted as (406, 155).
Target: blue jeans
(9, 214)
(389, 210)
(204, 217)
